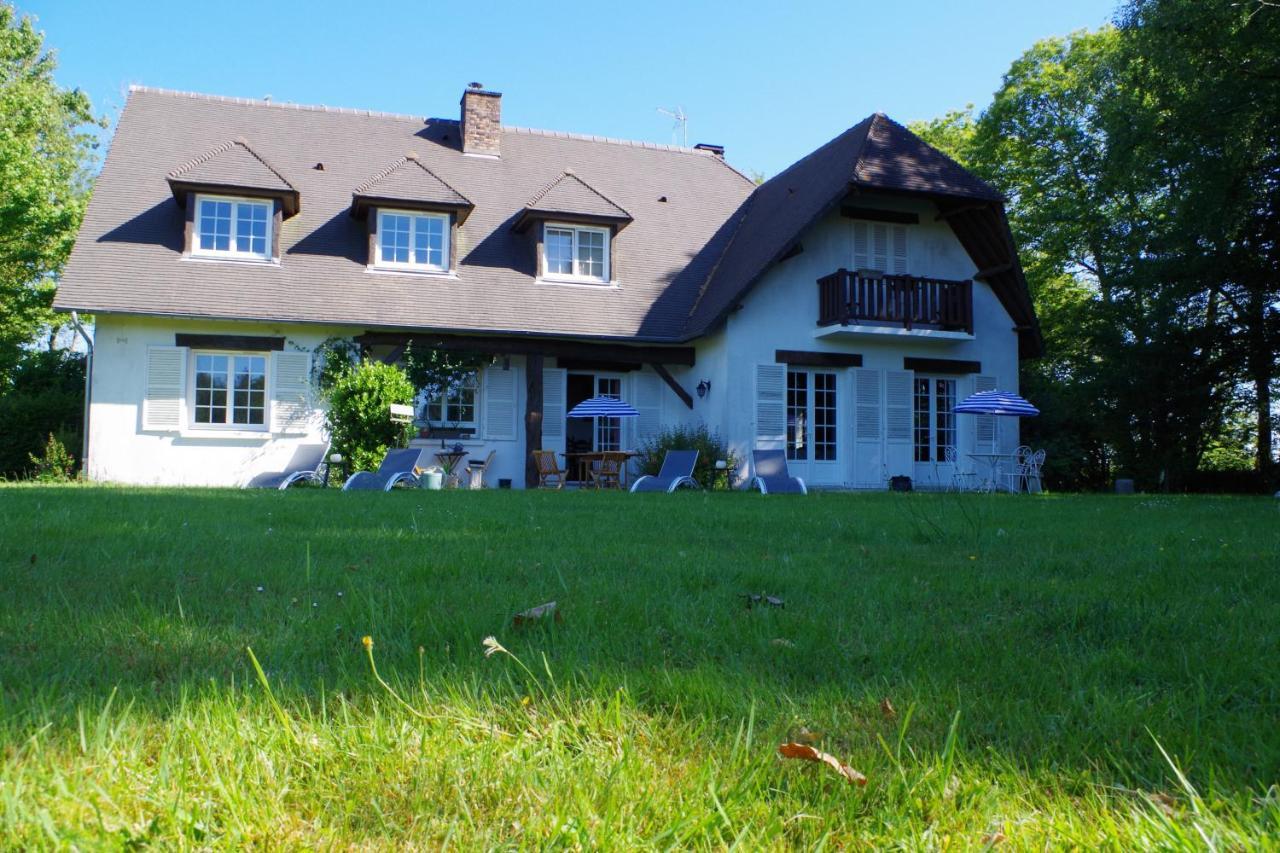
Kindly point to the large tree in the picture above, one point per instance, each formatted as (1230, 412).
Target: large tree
(46, 153)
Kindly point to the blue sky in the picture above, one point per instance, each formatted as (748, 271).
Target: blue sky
(770, 81)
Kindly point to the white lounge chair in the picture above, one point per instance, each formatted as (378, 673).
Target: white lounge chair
(304, 465)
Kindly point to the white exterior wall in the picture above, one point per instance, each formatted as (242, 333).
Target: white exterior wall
(781, 312)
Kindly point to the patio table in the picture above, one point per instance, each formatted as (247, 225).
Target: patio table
(992, 461)
(449, 460)
(584, 460)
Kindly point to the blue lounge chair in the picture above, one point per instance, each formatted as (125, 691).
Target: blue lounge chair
(677, 471)
(772, 476)
(397, 467)
(304, 465)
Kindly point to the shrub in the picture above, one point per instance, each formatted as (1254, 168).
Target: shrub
(707, 442)
(57, 465)
(45, 395)
(358, 419)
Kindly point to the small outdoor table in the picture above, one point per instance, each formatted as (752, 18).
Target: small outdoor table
(449, 460)
(585, 459)
(992, 461)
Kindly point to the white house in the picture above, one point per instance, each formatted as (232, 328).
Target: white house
(838, 310)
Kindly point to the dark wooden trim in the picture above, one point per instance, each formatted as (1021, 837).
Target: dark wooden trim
(248, 343)
(962, 209)
(523, 345)
(673, 384)
(875, 214)
(596, 365)
(817, 359)
(941, 365)
(990, 271)
(792, 252)
(532, 418)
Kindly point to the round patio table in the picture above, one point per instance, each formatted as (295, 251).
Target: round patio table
(992, 461)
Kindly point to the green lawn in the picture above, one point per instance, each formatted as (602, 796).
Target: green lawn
(1042, 656)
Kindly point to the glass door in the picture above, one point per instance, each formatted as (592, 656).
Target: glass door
(811, 423)
(934, 428)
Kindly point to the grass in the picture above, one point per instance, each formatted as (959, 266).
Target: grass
(1063, 671)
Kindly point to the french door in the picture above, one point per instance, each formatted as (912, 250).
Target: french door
(812, 434)
(933, 427)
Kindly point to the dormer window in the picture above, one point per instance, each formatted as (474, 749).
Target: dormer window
(233, 227)
(576, 252)
(413, 240)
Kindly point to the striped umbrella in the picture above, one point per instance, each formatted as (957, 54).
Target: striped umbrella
(996, 403)
(603, 407)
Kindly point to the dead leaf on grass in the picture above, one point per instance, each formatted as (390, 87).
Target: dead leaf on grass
(807, 753)
(535, 614)
(1163, 801)
(783, 642)
(886, 708)
(993, 839)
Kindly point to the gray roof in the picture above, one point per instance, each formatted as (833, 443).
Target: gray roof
(232, 164)
(408, 180)
(569, 194)
(700, 233)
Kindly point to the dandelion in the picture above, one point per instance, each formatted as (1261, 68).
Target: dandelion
(367, 640)
(492, 646)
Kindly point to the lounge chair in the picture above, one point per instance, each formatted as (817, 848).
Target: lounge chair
(304, 465)
(677, 471)
(772, 476)
(397, 467)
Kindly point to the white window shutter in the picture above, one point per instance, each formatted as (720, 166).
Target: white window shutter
(880, 247)
(866, 421)
(553, 389)
(500, 403)
(861, 248)
(898, 406)
(164, 389)
(901, 263)
(290, 391)
(984, 428)
(646, 397)
(771, 406)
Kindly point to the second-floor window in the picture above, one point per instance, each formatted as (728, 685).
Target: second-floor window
(417, 241)
(233, 227)
(576, 252)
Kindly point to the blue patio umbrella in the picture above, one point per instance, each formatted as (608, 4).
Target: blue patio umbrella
(603, 407)
(996, 403)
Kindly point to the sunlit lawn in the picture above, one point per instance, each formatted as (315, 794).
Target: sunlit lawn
(1051, 665)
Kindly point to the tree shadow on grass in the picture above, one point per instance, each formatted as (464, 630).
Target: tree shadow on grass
(1069, 633)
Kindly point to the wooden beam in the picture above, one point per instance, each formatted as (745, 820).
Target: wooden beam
(596, 365)
(796, 249)
(395, 355)
(246, 343)
(524, 345)
(671, 381)
(532, 418)
(875, 214)
(941, 365)
(964, 208)
(990, 271)
(817, 359)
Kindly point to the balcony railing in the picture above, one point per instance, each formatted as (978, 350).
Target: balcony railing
(846, 297)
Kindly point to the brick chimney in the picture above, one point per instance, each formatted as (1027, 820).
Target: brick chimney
(481, 121)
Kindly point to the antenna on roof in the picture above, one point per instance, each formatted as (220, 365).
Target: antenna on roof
(681, 124)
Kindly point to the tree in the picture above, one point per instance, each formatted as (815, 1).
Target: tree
(46, 153)
(358, 419)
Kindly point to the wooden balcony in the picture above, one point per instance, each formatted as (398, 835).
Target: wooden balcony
(906, 301)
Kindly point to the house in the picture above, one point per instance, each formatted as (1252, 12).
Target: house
(839, 309)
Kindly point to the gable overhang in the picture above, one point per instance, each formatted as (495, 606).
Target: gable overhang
(361, 204)
(530, 216)
(290, 200)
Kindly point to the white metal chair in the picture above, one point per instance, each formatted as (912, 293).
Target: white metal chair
(1034, 464)
(960, 481)
(1017, 478)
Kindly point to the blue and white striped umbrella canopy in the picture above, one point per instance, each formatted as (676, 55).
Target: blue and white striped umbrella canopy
(996, 403)
(603, 407)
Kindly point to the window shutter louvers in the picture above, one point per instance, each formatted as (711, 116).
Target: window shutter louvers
(867, 404)
(500, 404)
(290, 391)
(861, 250)
(900, 262)
(647, 399)
(553, 379)
(984, 428)
(898, 406)
(164, 389)
(880, 247)
(771, 405)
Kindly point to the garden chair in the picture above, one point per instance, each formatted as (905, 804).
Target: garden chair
(1017, 478)
(304, 465)
(677, 471)
(550, 474)
(398, 466)
(476, 469)
(961, 481)
(771, 474)
(607, 472)
(1034, 465)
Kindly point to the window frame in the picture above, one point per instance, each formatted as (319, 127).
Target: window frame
(938, 422)
(576, 277)
(231, 252)
(446, 256)
(229, 406)
(443, 422)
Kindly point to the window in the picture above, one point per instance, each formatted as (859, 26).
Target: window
(882, 247)
(413, 240)
(455, 408)
(609, 430)
(576, 252)
(233, 227)
(811, 415)
(797, 414)
(934, 422)
(230, 390)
